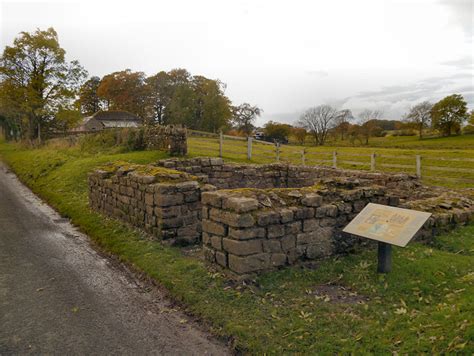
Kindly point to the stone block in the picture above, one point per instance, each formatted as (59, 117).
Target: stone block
(293, 227)
(214, 228)
(287, 215)
(240, 204)
(221, 258)
(212, 198)
(288, 242)
(312, 200)
(304, 213)
(242, 247)
(249, 264)
(274, 231)
(247, 233)
(168, 200)
(272, 246)
(187, 186)
(277, 259)
(267, 218)
(216, 242)
(310, 225)
(232, 219)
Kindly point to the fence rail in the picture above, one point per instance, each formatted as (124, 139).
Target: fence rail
(250, 148)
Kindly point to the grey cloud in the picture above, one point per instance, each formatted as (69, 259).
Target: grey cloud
(462, 12)
(461, 63)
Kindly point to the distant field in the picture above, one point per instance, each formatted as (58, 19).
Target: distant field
(442, 164)
(453, 142)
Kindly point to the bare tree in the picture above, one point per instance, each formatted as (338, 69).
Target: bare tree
(420, 116)
(318, 121)
(368, 122)
(342, 122)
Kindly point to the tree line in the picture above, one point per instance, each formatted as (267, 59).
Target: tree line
(446, 117)
(40, 93)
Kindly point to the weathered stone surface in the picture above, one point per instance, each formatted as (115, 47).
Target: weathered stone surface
(278, 259)
(247, 233)
(216, 242)
(221, 258)
(242, 247)
(267, 218)
(232, 219)
(272, 246)
(168, 200)
(240, 204)
(313, 200)
(248, 264)
(212, 198)
(213, 227)
(274, 231)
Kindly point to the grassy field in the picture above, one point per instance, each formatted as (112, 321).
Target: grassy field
(426, 305)
(442, 165)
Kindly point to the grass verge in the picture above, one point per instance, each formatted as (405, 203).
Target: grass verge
(426, 305)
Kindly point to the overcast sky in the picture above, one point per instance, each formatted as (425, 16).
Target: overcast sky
(283, 56)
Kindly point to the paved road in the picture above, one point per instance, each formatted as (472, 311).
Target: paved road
(59, 296)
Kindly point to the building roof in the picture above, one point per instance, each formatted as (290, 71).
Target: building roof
(115, 116)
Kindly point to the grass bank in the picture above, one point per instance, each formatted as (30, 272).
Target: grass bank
(425, 305)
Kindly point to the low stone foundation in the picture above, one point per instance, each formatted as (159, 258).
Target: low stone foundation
(252, 230)
(274, 215)
(165, 203)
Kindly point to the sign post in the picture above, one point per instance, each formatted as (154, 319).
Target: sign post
(389, 226)
(384, 257)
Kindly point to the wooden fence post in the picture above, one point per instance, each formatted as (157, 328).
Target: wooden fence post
(278, 151)
(221, 143)
(334, 159)
(418, 166)
(372, 162)
(303, 158)
(249, 148)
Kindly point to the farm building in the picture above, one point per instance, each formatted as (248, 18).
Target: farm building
(109, 119)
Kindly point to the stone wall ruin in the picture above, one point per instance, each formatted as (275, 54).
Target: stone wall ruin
(252, 218)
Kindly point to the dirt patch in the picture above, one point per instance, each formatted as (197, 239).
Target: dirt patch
(337, 294)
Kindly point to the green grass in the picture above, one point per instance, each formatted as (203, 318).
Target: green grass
(426, 305)
(441, 166)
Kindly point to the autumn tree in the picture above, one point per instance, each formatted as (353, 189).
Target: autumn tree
(243, 117)
(124, 90)
(419, 116)
(318, 121)
(449, 114)
(368, 123)
(276, 131)
(89, 101)
(37, 81)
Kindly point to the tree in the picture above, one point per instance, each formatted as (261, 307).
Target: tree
(368, 123)
(89, 101)
(342, 122)
(420, 116)
(243, 117)
(299, 133)
(212, 108)
(124, 90)
(318, 121)
(37, 81)
(159, 96)
(448, 114)
(276, 131)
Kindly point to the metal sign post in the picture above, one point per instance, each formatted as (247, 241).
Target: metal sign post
(389, 226)
(384, 256)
